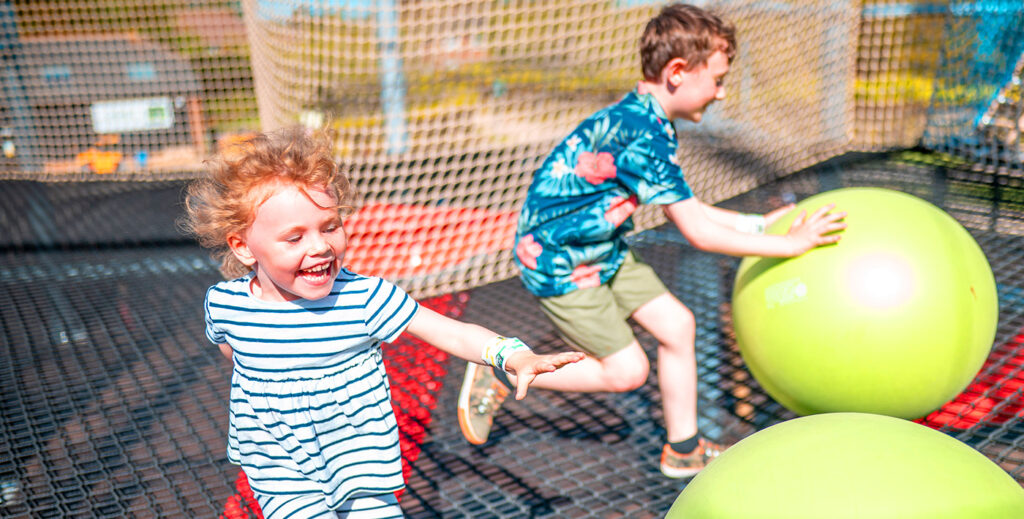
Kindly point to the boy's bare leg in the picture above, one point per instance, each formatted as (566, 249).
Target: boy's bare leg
(673, 325)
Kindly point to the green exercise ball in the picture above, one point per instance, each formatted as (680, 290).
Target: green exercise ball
(850, 466)
(895, 319)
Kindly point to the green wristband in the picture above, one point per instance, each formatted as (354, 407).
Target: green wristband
(499, 349)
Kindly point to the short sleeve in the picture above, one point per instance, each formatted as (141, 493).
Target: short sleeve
(652, 170)
(213, 332)
(388, 310)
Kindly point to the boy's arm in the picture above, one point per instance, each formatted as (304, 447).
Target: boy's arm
(730, 218)
(468, 341)
(719, 215)
(706, 229)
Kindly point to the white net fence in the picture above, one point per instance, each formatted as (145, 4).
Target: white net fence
(443, 108)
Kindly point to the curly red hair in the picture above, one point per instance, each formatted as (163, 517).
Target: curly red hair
(224, 202)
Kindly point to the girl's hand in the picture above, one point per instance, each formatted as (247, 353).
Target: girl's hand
(526, 365)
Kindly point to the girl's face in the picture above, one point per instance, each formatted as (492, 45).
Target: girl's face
(296, 244)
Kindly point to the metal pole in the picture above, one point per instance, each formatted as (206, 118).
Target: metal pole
(392, 79)
(21, 121)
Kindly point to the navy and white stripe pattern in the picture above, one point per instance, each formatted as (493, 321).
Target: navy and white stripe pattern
(310, 409)
(384, 506)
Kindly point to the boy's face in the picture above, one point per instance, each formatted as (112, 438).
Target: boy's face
(296, 244)
(697, 88)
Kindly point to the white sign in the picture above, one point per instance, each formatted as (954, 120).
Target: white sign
(132, 115)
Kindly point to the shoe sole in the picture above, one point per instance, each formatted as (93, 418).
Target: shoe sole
(463, 412)
(679, 473)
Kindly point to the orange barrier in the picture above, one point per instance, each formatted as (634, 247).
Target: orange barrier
(398, 241)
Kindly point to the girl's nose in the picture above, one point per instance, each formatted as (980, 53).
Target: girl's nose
(317, 246)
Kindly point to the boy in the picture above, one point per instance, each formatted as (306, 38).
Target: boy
(572, 256)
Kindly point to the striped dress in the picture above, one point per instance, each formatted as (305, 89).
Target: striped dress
(310, 409)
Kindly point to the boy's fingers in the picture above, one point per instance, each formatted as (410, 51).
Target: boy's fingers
(822, 214)
(834, 218)
(783, 210)
(829, 238)
(824, 209)
(774, 216)
(799, 220)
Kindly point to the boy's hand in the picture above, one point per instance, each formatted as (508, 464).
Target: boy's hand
(772, 217)
(526, 365)
(808, 232)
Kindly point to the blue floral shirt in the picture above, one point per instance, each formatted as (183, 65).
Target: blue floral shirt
(580, 204)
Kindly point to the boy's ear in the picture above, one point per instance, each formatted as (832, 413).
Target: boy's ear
(674, 71)
(241, 250)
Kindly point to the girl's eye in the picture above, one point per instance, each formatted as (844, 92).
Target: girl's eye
(293, 239)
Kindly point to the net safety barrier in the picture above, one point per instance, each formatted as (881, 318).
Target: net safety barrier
(443, 109)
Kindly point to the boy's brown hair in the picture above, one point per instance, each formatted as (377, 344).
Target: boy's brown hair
(242, 177)
(687, 32)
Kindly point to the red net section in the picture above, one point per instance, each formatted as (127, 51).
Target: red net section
(996, 395)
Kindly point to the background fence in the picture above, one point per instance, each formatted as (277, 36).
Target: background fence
(443, 108)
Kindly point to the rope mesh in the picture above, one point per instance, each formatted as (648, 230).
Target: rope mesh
(443, 109)
(977, 106)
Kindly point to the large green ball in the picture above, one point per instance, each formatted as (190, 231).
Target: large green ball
(895, 319)
(850, 466)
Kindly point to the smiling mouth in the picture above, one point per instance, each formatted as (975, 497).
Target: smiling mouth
(316, 274)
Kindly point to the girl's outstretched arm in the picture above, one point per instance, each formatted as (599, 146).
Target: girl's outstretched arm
(468, 341)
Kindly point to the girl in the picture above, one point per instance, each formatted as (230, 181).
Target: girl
(311, 421)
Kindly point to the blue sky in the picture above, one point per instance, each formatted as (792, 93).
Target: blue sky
(358, 9)
(352, 9)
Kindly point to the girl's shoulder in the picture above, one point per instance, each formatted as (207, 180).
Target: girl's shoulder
(230, 287)
(370, 288)
(346, 276)
(349, 281)
(231, 294)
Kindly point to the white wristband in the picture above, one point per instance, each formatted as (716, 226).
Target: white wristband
(750, 223)
(499, 349)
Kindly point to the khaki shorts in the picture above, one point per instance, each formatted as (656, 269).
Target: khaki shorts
(593, 320)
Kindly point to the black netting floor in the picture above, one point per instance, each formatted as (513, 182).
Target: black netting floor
(113, 404)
